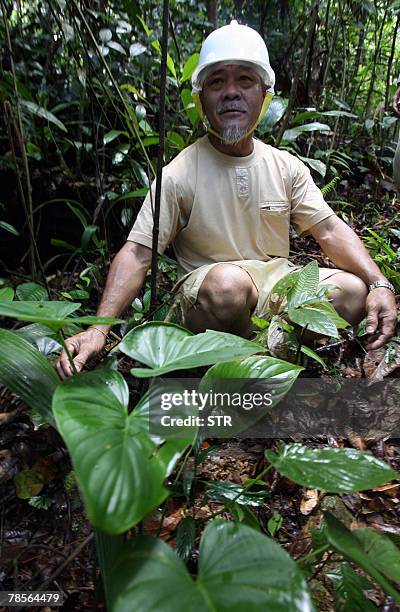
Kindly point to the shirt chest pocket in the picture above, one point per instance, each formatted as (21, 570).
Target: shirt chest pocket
(273, 236)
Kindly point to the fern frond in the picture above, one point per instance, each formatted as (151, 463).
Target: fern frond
(326, 189)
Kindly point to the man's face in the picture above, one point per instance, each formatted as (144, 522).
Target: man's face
(232, 98)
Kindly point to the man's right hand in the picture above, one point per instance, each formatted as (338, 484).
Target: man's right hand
(82, 347)
(396, 101)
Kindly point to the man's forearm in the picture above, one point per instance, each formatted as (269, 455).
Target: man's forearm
(344, 248)
(124, 281)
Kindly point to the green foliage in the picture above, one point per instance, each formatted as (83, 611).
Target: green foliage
(88, 89)
(120, 470)
(274, 524)
(336, 470)
(238, 568)
(293, 133)
(385, 256)
(165, 347)
(352, 548)
(27, 373)
(329, 187)
(31, 292)
(349, 590)
(297, 295)
(221, 491)
(53, 314)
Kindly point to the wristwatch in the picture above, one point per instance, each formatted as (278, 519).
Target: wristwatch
(381, 283)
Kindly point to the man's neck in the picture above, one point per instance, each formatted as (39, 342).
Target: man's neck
(241, 149)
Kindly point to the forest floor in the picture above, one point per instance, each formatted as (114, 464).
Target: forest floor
(46, 542)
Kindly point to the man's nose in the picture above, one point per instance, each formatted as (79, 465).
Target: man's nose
(231, 90)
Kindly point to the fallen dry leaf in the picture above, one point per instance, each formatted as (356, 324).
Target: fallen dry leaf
(356, 441)
(389, 489)
(309, 501)
(380, 363)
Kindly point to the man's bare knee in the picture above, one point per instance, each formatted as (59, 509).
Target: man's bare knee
(226, 299)
(349, 299)
(228, 286)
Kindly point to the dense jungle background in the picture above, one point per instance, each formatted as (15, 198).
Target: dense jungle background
(79, 134)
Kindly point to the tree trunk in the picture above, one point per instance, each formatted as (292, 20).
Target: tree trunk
(212, 12)
(293, 89)
(376, 55)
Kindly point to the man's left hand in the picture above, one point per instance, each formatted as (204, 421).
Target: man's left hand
(381, 317)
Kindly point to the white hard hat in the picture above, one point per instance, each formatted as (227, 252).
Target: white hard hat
(234, 43)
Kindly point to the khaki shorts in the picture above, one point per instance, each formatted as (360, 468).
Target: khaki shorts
(264, 275)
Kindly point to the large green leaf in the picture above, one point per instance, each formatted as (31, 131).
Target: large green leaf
(120, 469)
(166, 347)
(278, 375)
(293, 133)
(274, 114)
(36, 332)
(223, 491)
(39, 111)
(306, 283)
(315, 164)
(239, 569)
(6, 294)
(298, 286)
(27, 373)
(314, 320)
(52, 314)
(345, 542)
(189, 66)
(330, 311)
(9, 228)
(337, 470)
(32, 292)
(382, 552)
(349, 595)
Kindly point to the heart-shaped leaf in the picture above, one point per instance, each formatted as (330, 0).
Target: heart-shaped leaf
(31, 291)
(254, 385)
(189, 66)
(348, 544)
(349, 589)
(314, 320)
(223, 491)
(293, 133)
(166, 347)
(120, 469)
(52, 314)
(27, 373)
(280, 374)
(239, 569)
(382, 552)
(336, 470)
(6, 294)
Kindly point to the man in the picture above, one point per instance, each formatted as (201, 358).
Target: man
(227, 203)
(396, 161)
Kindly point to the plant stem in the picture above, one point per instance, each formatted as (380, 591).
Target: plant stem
(313, 554)
(252, 482)
(164, 510)
(65, 347)
(160, 157)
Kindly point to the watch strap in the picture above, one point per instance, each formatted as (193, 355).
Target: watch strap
(381, 283)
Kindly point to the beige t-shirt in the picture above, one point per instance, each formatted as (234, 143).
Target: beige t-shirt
(216, 207)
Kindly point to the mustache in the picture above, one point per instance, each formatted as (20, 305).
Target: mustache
(225, 107)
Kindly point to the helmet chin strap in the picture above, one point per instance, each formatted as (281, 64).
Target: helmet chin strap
(197, 102)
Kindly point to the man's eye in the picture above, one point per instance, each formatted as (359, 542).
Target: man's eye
(244, 77)
(215, 81)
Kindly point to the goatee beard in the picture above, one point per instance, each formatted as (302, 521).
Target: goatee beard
(233, 134)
